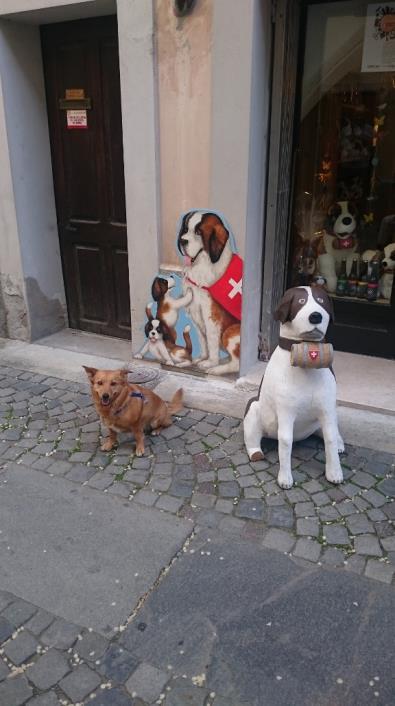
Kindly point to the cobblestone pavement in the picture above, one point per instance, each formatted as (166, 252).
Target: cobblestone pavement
(196, 469)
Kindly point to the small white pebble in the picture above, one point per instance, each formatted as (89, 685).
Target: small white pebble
(278, 677)
(371, 683)
(339, 681)
(376, 693)
(376, 678)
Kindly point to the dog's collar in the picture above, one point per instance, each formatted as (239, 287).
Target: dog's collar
(131, 394)
(287, 343)
(200, 286)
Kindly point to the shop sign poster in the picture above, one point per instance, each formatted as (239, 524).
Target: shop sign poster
(77, 119)
(379, 39)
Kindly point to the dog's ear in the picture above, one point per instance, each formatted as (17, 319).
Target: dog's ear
(183, 229)
(214, 235)
(159, 288)
(91, 372)
(283, 311)
(148, 312)
(123, 373)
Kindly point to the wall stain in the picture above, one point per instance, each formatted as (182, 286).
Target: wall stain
(46, 315)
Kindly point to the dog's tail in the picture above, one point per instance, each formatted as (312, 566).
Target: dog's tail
(187, 339)
(177, 402)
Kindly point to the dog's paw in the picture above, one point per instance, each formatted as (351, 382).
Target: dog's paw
(139, 452)
(335, 476)
(285, 481)
(107, 446)
(206, 364)
(340, 445)
(256, 456)
(138, 355)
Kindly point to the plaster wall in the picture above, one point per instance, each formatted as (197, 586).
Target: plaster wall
(28, 145)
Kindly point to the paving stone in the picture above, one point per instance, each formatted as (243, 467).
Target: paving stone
(146, 497)
(296, 495)
(117, 664)
(80, 474)
(280, 517)
(350, 489)
(43, 463)
(61, 634)
(147, 682)
(389, 510)
(355, 563)
(307, 549)
(81, 682)
(15, 692)
(379, 571)
(169, 503)
(251, 509)
(6, 629)
(121, 489)
(229, 490)
(346, 508)
(333, 557)
(202, 500)
(328, 513)
(374, 498)
(365, 480)
(160, 484)
(279, 539)
(336, 534)
(321, 499)
(136, 477)
(376, 515)
(19, 612)
(4, 671)
(360, 503)
(387, 487)
(304, 509)
(20, 649)
(57, 467)
(225, 506)
(48, 670)
(181, 489)
(48, 699)
(359, 524)
(367, 544)
(186, 695)
(252, 492)
(378, 468)
(388, 543)
(113, 697)
(274, 500)
(226, 474)
(101, 480)
(92, 646)
(309, 527)
(312, 486)
(247, 481)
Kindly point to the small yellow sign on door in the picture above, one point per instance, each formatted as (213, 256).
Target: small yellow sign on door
(74, 94)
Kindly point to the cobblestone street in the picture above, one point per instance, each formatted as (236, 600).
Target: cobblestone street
(197, 470)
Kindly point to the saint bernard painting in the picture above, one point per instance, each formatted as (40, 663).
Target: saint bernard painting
(193, 320)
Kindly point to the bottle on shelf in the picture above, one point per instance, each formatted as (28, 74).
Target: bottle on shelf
(362, 286)
(352, 281)
(373, 282)
(341, 286)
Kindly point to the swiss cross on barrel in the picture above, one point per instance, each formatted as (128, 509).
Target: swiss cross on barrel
(228, 290)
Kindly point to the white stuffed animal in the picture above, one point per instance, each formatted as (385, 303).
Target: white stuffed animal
(339, 241)
(388, 265)
(295, 402)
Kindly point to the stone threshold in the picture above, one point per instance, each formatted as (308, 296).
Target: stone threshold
(366, 414)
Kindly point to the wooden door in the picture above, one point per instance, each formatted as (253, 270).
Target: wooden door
(81, 68)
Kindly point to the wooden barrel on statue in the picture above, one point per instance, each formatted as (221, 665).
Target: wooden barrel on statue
(311, 355)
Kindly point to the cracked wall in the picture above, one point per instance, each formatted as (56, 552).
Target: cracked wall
(14, 320)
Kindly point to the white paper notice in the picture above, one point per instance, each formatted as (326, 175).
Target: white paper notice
(379, 40)
(77, 119)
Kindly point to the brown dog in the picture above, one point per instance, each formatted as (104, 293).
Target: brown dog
(123, 406)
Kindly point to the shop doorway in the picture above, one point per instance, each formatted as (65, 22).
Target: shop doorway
(342, 210)
(81, 67)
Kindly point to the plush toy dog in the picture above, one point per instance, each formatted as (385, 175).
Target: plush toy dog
(388, 271)
(339, 241)
(297, 396)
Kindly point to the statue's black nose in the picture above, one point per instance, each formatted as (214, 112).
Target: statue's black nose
(315, 317)
(347, 220)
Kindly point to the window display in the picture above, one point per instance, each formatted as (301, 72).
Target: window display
(343, 221)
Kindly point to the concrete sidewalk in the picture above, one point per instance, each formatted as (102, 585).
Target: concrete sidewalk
(186, 577)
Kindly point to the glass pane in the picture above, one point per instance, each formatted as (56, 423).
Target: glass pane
(343, 224)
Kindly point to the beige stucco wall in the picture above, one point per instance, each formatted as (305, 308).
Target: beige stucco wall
(183, 47)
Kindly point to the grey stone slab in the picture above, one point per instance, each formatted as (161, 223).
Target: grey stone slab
(147, 682)
(307, 549)
(101, 480)
(309, 526)
(365, 480)
(136, 477)
(379, 571)
(145, 541)
(350, 489)
(60, 634)
(48, 699)
(146, 497)
(80, 683)
(253, 509)
(388, 543)
(203, 500)
(80, 473)
(297, 495)
(247, 481)
(328, 513)
(346, 508)
(280, 517)
(320, 499)
(304, 509)
(229, 489)
(359, 524)
(252, 492)
(333, 557)
(6, 629)
(18, 612)
(374, 498)
(15, 692)
(48, 670)
(20, 649)
(312, 486)
(355, 563)
(183, 694)
(367, 544)
(169, 503)
(335, 534)
(279, 539)
(117, 664)
(92, 646)
(181, 489)
(159, 483)
(113, 697)
(376, 515)
(360, 503)
(225, 506)
(387, 487)
(4, 671)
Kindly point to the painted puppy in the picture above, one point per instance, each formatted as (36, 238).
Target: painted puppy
(161, 346)
(168, 306)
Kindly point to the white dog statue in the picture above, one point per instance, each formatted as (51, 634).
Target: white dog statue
(295, 402)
